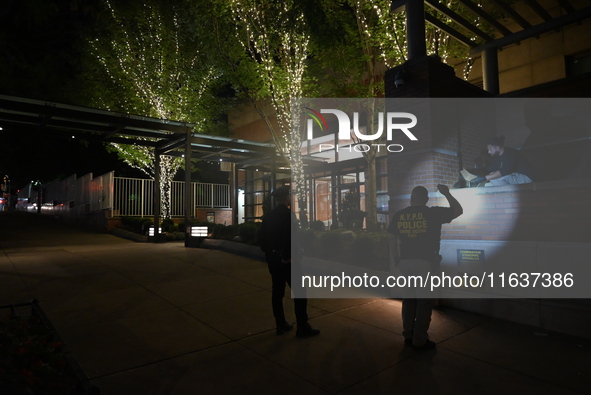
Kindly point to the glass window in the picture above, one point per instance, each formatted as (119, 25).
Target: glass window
(382, 201)
(323, 199)
(381, 184)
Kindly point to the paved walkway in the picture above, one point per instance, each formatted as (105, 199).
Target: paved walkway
(164, 319)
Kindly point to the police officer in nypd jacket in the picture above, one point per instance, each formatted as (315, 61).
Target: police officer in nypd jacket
(275, 238)
(416, 233)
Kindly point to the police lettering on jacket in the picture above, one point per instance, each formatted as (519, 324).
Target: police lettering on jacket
(411, 224)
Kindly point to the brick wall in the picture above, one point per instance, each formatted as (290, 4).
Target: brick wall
(555, 211)
(435, 157)
(552, 211)
(222, 215)
(424, 168)
(531, 222)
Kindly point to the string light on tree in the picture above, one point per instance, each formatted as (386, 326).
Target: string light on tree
(275, 36)
(155, 67)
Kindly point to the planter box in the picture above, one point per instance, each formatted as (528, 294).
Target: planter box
(33, 358)
(194, 242)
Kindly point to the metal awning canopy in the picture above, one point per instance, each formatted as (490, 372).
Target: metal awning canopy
(514, 28)
(168, 137)
(480, 29)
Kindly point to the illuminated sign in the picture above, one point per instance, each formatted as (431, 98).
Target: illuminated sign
(470, 256)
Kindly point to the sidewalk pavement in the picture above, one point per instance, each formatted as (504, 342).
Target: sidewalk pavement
(164, 319)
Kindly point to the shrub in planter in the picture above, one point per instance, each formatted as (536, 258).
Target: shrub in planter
(317, 225)
(180, 227)
(174, 236)
(33, 358)
(230, 232)
(225, 232)
(382, 249)
(309, 242)
(370, 250)
(128, 222)
(352, 219)
(168, 226)
(217, 231)
(332, 244)
(248, 232)
(144, 225)
(361, 249)
(138, 225)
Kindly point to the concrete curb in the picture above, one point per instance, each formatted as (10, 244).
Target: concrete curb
(124, 234)
(245, 250)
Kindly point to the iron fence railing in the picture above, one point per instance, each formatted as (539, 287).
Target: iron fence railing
(121, 196)
(134, 196)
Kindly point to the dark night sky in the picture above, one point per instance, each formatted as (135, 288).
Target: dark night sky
(33, 153)
(30, 153)
(40, 50)
(39, 59)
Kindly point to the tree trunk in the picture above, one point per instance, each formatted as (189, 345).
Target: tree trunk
(371, 194)
(165, 196)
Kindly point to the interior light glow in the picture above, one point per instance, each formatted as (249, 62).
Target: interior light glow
(151, 231)
(199, 231)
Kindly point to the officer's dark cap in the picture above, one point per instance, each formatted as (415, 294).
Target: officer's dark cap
(281, 192)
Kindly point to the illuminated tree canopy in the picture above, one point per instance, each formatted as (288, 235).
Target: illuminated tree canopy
(273, 46)
(360, 40)
(158, 59)
(153, 61)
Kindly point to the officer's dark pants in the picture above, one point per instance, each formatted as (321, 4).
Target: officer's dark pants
(416, 305)
(280, 275)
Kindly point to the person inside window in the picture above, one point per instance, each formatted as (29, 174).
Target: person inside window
(507, 166)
